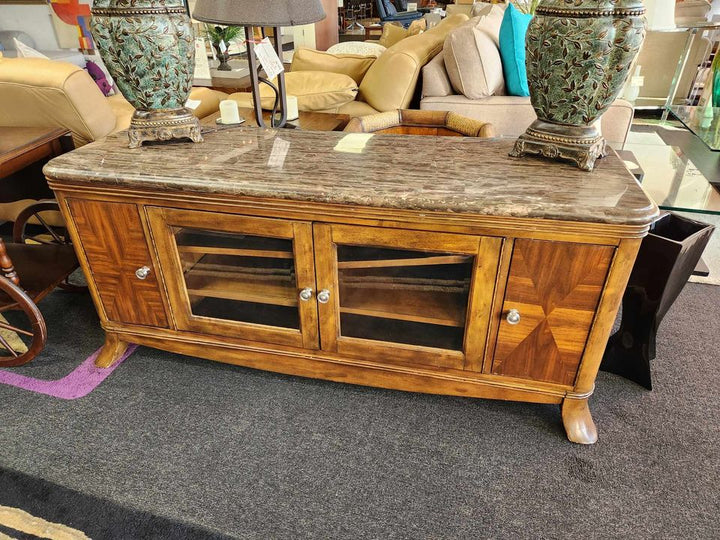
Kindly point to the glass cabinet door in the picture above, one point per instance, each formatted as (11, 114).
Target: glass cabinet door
(405, 296)
(242, 277)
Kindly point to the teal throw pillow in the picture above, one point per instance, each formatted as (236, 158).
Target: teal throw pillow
(512, 50)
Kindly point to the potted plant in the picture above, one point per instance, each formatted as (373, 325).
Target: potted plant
(220, 38)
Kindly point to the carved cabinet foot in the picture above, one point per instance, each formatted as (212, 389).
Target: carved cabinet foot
(578, 422)
(111, 352)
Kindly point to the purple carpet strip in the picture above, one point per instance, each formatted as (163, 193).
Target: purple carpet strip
(78, 383)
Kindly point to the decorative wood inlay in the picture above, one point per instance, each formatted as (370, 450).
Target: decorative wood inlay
(556, 287)
(115, 247)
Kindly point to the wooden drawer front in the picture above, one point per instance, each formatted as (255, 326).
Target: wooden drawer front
(556, 287)
(113, 240)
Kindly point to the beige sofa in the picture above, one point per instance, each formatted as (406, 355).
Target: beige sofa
(388, 84)
(36, 92)
(510, 115)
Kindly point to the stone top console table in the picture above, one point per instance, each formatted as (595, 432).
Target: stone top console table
(445, 268)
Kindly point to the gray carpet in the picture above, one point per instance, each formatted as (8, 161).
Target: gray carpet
(259, 455)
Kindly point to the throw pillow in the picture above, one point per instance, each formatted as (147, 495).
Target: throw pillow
(352, 65)
(391, 34)
(362, 48)
(472, 61)
(98, 75)
(416, 27)
(315, 91)
(490, 19)
(512, 50)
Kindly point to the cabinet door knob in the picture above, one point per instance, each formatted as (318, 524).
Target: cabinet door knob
(323, 296)
(513, 316)
(306, 294)
(142, 272)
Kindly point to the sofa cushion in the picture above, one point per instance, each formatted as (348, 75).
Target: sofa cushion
(315, 91)
(392, 33)
(356, 108)
(489, 20)
(390, 82)
(353, 65)
(472, 60)
(512, 50)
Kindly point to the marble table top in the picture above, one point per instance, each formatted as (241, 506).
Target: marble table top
(410, 172)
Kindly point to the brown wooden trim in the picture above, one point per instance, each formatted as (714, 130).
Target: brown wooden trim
(347, 370)
(305, 272)
(480, 301)
(326, 278)
(610, 300)
(497, 303)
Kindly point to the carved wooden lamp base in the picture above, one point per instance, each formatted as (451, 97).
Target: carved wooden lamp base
(163, 125)
(578, 144)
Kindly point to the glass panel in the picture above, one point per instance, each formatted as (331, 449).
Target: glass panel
(239, 277)
(401, 296)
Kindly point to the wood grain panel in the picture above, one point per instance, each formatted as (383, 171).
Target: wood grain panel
(114, 243)
(556, 287)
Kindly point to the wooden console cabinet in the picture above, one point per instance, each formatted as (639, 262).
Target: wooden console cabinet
(403, 262)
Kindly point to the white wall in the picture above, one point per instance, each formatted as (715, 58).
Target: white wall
(34, 20)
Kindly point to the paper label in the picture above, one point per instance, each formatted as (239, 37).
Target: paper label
(202, 66)
(637, 80)
(222, 46)
(412, 6)
(279, 153)
(268, 59)
(193, 103)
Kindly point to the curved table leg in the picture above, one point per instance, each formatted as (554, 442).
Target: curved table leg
(578, 422)
(111, 351)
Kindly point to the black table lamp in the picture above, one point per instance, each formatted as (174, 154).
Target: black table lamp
(251, 13)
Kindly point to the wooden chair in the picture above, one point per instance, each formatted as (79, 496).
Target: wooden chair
(415, 122)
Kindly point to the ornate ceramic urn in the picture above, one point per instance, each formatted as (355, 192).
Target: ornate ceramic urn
(149, 48)
(578, 58)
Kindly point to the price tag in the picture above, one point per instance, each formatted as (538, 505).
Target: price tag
(268, 59)
(222, 46)
(202, 66)
(637, 80)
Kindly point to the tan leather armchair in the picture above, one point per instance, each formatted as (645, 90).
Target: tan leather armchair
(36, 92)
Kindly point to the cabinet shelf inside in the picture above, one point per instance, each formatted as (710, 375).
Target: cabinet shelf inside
(425, 306)
(244, 287)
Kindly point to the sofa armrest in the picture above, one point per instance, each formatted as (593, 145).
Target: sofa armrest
(435, 80)
(511, 115)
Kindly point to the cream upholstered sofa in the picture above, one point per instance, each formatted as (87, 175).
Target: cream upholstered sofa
(510, 115)
(335, 83)
(35, 92)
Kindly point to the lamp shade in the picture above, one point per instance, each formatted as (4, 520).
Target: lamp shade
(259, 12)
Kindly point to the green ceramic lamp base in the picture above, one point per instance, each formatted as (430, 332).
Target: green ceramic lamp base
(580, 145)
(163, 125)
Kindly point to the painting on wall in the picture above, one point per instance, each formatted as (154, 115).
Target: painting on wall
(71, 20)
